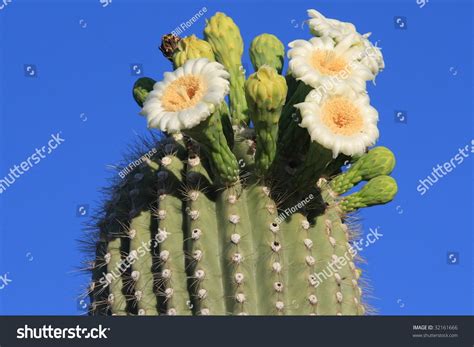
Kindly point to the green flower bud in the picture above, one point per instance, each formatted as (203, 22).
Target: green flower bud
(377, 191)
(141, 88)
(192, 47)
(224, 36)
(378, 161)
(228, 46)
(266, 49)
(265, 91)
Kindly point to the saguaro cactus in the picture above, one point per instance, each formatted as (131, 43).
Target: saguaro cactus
(237, 217)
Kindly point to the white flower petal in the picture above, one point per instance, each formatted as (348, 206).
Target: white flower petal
(173, 125)
(198, 66)
(186, 108)
(169, 77)
(188, 66)
(347, 35)
(322, 26)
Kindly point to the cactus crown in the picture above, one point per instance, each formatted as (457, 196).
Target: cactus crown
(240, 209)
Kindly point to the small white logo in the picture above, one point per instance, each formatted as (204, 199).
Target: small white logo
(105, 3)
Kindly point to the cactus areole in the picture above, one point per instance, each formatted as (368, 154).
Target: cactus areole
(242, 209)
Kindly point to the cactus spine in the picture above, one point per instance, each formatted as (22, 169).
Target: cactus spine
(238, 219)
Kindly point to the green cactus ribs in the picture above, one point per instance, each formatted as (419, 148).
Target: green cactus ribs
(247, 198)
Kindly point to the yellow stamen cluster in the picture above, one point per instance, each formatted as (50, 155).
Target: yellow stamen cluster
(183, 93)
(327, 62)
(342, 116)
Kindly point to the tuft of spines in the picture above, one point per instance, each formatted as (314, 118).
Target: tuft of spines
(142, 264)
(116, 286)
(300, 251)
(237, 257)
(270, 249)
(220, 251)
(170, 237)
(203, 244)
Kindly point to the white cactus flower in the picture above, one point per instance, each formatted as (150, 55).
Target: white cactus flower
(186, 96)
(321, 26)
(343, 122)
(323, 63)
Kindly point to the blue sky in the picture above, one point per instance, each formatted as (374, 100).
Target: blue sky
(81, 54)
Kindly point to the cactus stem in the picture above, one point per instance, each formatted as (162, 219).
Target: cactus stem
(118, 305)
(237, 257)
(203, 245)
(144, 294)
(267, 234)
(316, 161)
(170, 237)
(210, 134)
(344, 280)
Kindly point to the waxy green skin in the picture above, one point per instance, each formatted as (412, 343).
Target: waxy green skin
(267, 49)
(265, 91)
(237, 220)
